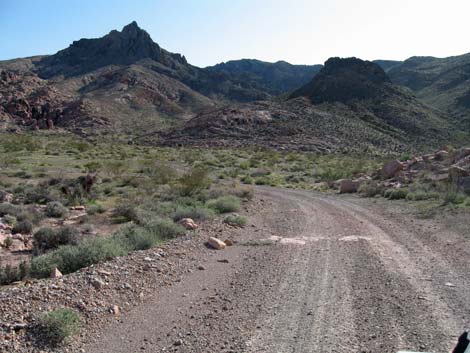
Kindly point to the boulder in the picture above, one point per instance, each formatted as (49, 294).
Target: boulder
(348, 186)
(461, 154)
(441, 155)
(456, 172)
(391, 169)
(464, 184)
(188, 223)
(216, 244)
(56, 273)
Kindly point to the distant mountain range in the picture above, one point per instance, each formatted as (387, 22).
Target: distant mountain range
(125, 84)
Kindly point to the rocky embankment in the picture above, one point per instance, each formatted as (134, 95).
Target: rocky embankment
(444, 166)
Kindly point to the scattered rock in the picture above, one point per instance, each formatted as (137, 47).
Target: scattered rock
(441, 155)
(97, 283)
(188, 223)
(178, 342)
(228, 242)
(115, 310)
(449, 284)
(56, 273)
(201, 268)
(216, 244)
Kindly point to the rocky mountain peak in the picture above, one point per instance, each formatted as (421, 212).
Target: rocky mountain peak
(343, 80)
(116, 48)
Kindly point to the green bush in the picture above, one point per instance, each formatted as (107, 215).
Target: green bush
(164, 229)
(234, 220)
(196, 213)
(94, 209)
(70, 258)
(46, 238)
(126, 212)
(225, 204)
(247, 180)
(369, 190)
(396, 194)
(58, 325)
(10, 274)
(9, 209)
(422, 195)
(22, 227)
(195, 180)
(9, 219)
(56, 210)
(8, 242)
(454, 197)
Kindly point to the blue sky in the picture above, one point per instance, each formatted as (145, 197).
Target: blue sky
(212, 31)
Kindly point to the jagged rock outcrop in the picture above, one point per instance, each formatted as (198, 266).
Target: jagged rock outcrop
(117, 48)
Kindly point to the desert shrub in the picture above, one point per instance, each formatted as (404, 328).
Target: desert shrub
(10, 274)
(396, 194)
(197, 213)
(126, 212)
(58, 325)
(39, 195)
(161, 173)
(114, 168)
(8, 242)
(30, 214)
(9, 209)
(46, 238)
(242, 192)
(454, 197)
(94, 209)
(245, 165)
(20, 143)
(332, 174)
(225, 204)
(246, 179)
(369, 190)
(9, 219)
(22, 227)
(56, 210)
(421, 195)
(195, 180)
(164, 229)
(70, 258)
(92, 167)
(137, 238)
(234, 220)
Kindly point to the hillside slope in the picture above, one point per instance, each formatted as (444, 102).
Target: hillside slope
(274, 78)
(443, 83)
(350, 105)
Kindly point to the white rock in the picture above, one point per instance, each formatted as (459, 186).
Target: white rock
(216, 244)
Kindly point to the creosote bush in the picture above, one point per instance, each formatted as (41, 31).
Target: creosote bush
(56, 210)
(46, 238)
(236, 221)
(70, 258)
(58, 325)
(225, 204)
(195, 180)
(22, 227)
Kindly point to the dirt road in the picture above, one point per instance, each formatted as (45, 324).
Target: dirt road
(339, 274)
